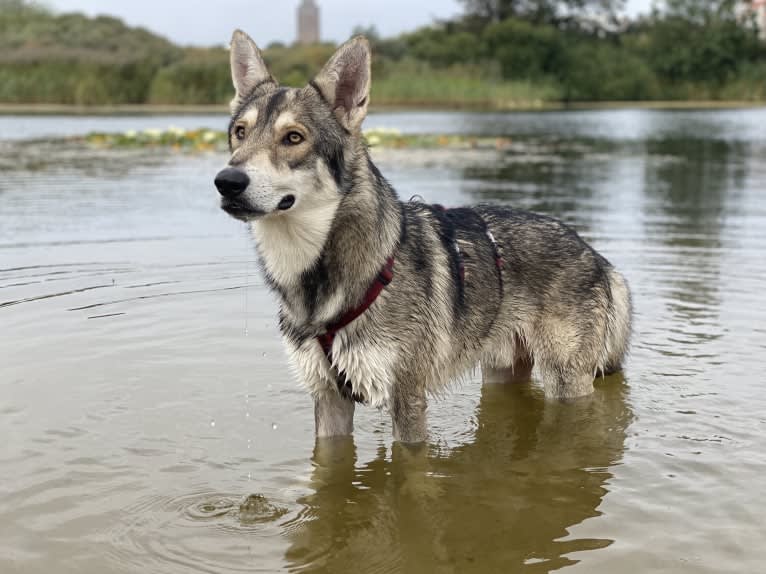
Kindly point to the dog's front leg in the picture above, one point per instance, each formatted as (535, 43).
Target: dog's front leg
(333, 414)
(408, 412)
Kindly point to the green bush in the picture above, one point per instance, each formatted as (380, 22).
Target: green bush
(202, 77)
(444, 46)
(72, 82)
(596, 71)
(412, 82)
(525, 50)
(296, 65)
(712, 53)
(73, 59)
(749, 85)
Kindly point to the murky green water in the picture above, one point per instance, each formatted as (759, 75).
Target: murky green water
(149, 422)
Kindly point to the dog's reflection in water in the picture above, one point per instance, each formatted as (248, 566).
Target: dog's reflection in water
(501, 503)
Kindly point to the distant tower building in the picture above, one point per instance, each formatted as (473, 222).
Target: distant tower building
(308, 22)
(759, 7)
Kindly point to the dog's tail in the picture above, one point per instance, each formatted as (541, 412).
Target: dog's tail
(619, 323)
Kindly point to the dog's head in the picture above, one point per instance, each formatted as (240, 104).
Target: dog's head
(288, 145)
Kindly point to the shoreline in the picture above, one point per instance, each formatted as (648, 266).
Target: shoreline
(154, 109)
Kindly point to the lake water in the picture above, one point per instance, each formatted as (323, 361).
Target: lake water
(144, 393)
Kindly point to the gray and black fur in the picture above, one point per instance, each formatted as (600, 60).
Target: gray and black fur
(496, 286)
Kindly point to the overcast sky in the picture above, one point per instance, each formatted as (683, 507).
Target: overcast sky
(211, 22)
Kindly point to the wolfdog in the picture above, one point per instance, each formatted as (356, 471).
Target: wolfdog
(383, 302)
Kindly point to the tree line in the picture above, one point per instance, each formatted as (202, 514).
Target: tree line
(497, 53)
(684, 49)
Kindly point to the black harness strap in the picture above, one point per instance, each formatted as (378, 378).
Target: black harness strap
(493, 243)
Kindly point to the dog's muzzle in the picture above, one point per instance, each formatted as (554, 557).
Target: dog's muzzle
(232, 183)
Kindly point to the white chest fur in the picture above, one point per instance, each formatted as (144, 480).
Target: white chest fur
(290, 243)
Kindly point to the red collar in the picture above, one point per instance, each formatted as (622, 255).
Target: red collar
(384, 277)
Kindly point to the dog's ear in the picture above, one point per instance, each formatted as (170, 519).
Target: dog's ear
(345, 82)
(248, 69)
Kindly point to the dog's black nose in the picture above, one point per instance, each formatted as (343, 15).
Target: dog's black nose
(231, 182)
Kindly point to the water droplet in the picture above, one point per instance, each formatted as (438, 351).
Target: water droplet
(212, 423)
(274, 426)
(247, 415)
(263, 354)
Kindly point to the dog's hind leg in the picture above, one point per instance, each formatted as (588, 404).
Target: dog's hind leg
(567, 346)
(408, 412)
(567, 366)
(571, 385)
(333, 414)
(565, 379)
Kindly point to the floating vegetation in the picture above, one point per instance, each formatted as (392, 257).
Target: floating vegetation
(202, 140)
(179, 139)
(388, 138)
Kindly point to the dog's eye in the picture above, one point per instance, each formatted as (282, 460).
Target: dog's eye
(239, 132)
(294, 138)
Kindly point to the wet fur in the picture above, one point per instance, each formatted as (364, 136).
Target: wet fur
(555, 303)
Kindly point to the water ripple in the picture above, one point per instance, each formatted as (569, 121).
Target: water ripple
(203, 532)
